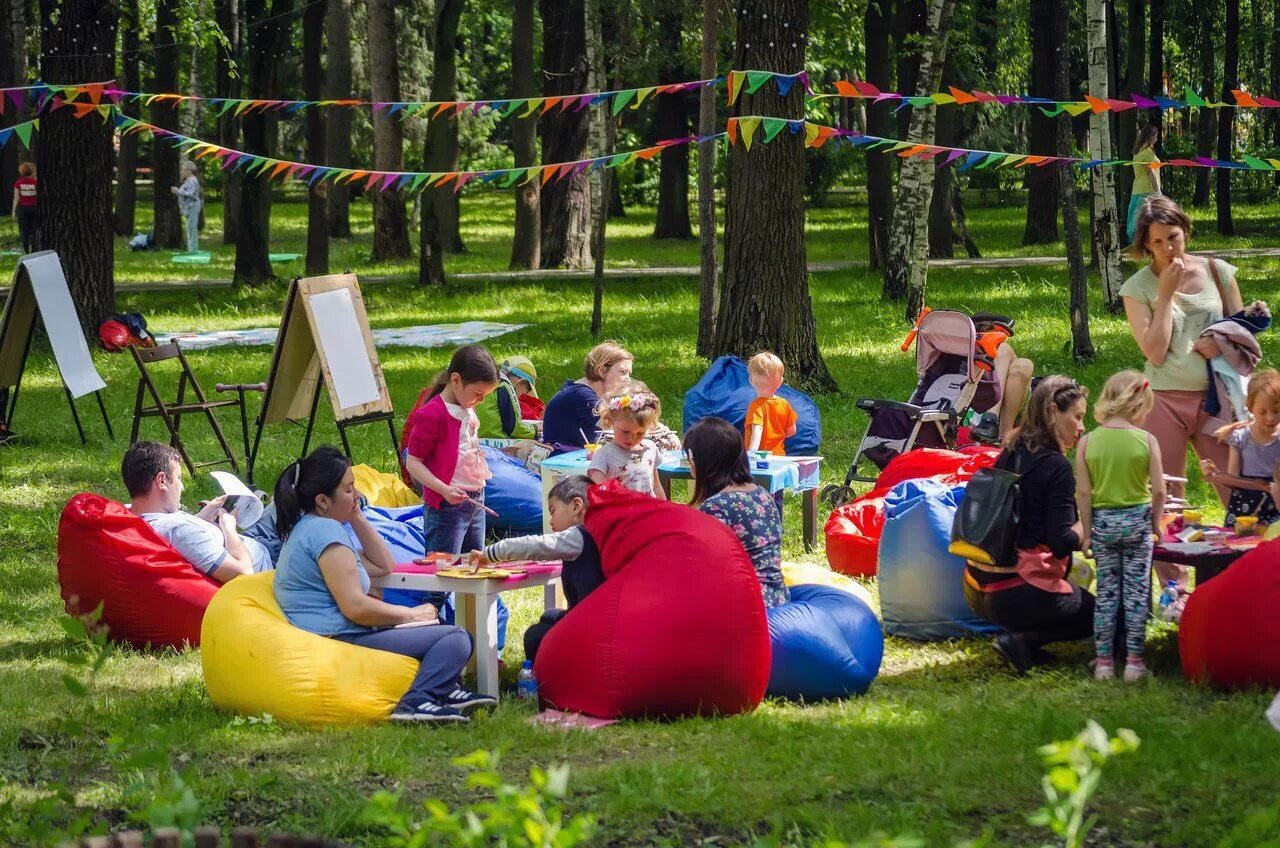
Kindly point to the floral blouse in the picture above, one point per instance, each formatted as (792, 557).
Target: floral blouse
(754, 519)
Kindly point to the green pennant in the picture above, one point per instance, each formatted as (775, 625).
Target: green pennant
(418, 180)
(1058, 109)
(1012, 159)
(886, 142)
(642, 94)
(533, 106)
(773, 126)
(1257, 164)
(1194, 99)
(622, 98)
(342, 175)
(23, 132)
(241, 105)
(992, 158)
(226, 107)
(747, 129)
(531, 174)
(899, 145)
(511, 107)
(616, 160)
(755, 79)
(924, 100)
(1275, 163)
(510, 179)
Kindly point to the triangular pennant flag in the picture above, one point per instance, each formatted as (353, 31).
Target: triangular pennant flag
(992, 158)
(1274, 163)
(962, 97)
(755, 79)
(1057, 110)
(810, 134)
(23, 132)
(866, 89)
(510, 179)
(641, 95)
(549, 102)
(1194, 99)
(463, 179)
(1076, 109)
(942, 99)
(1120, 105)
(747, 129)
(1243, 99)
(280, 166)
(732, 131)
(735, 85)
(1266, 102)
(1256, 163)
(547, 173)
(784, 85)
(388, 180)
(970, 159)
(1142, 101)
(1098, 106)
(845, 89)
(418, 180)
(622, 98)
(773, 126)
(913, 150)
(5, 136)
(951, 157)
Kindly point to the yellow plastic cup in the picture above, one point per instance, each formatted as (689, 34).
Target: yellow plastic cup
(1245, 525)
(1192, 516)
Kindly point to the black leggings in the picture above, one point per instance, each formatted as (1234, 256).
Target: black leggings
(1034, 615)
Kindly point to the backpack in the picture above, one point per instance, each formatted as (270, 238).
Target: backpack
(985, 529)
(128, 329)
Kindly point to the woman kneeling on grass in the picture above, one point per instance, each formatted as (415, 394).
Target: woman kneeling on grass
(322, 584)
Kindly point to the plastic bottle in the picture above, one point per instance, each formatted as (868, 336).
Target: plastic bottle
(526, 683)
(1169, 599)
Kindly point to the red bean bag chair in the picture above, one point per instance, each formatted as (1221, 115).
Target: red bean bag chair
(1229, 636)
(149, 594)
(677, 629)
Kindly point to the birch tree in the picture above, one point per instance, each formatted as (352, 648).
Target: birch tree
(1106, 218)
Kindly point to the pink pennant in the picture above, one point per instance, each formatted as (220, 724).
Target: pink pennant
(1120, 105)
(984, 97)
(1266, 101)
(866, 89)
(463, 179)
(952, 156)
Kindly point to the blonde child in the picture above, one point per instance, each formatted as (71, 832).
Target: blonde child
(1120, 495)
(770, 419)
(630, 411)
(1254, 451)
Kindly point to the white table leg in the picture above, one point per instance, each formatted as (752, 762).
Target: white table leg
(551, 595)
(464, 615)
(486, 636)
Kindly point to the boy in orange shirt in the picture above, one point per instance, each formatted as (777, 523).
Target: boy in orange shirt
(770, 419)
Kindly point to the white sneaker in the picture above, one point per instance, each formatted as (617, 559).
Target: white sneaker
(1104, 670)
(1133, 672)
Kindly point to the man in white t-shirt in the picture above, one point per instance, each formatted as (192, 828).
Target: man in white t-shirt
(208, 540)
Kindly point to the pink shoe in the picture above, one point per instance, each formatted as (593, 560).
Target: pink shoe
(1135, 670)
(1104, 669)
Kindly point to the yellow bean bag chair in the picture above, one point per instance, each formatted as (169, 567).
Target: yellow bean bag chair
(800, 573)
(256, 662)
(383, 489)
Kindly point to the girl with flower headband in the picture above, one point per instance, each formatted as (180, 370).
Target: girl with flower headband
(1254, 452)
(1120, 494)
(630, 411)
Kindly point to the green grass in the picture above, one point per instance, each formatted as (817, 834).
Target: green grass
(943, 745)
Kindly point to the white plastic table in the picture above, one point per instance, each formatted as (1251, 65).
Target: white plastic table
(476, 610)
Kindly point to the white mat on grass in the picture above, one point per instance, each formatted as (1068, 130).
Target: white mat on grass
(425, 335)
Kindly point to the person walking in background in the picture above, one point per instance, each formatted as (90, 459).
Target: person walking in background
(1146, 179)
(190, 202)
(25, 209)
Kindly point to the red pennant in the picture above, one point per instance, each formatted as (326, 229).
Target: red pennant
(1121, 105)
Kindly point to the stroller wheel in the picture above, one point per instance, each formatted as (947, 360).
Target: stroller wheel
(836, 496)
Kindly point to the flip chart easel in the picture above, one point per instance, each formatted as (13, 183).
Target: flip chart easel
(325, 342)
(40, 291)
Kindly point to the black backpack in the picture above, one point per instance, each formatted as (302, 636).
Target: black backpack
(985, 529)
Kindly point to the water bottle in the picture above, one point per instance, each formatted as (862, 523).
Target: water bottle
(526, 683)
(1169, 600)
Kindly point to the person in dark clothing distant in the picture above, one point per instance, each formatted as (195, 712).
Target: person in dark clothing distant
(1032, 599)
(569, 542)
(571, 413)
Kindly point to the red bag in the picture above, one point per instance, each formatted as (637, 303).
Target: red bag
(1229, 636)
(108, 555)
(677, 629)
(114, 335)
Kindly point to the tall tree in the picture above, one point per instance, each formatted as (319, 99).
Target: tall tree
(1081, 344)
(167, 224)
(947, 224)
(1274, 76)
(73, 156)
(1155, 56)
(708, 282)
(1133, 83)
(764, 301)
(268, 30)
(338, 132)
(1042, 183)
(604, 131)
(1106, 217)
(317, 261)
(526, 244)
(1227, 117)
(439, 205)
(390, 224)
(1206, 119)
(906, 267)
(673, 122)
(879, 123)
(13, 71)
(566, 203)
(127, 158)
(226, 83)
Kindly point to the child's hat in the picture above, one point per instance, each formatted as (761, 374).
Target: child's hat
(522, 368)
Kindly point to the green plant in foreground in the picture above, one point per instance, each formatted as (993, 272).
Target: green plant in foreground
(1073, 769)
(530, 816)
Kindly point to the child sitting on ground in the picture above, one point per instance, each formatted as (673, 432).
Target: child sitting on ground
(524, 377)
(1120, 495)
(630, 411)
(1255, 450)
(569, 542)
(770, 419)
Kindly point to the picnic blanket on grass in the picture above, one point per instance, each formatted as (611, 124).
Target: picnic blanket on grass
(423, 335)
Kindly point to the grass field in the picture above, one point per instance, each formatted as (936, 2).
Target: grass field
(943, 745)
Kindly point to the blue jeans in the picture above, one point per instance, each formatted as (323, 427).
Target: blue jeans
(193, 231)
(441, 651)
(456, 529)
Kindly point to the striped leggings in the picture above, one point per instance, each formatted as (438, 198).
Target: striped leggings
(1122, 547)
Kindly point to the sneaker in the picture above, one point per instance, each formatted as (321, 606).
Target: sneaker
(428, 711)
(461, 699)
(1135, 671)
(1104, 670)
(1013, 651)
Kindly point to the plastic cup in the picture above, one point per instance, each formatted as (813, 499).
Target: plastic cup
(1245, 525)
(1192, 516)
(591, 447)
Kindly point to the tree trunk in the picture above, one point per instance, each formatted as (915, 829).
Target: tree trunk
(1155, 58)
(604, 130)
(1042, 183)
(1274, 59)
(268, 29)
(1227, 117)
(227, 15)
(440, 153)
(906, 267)
(673, 122)
(526, 244)
(1081, 344)
(708, 282)
(73, 157)
(127, 158)
(947, 224)
(879, 123)
(1134, 83)
(189, 116)
(566, 202)
(764, 302)
(910, 19)
(390, 225)
(317, 261)
(1206, 119)
(13, 71)
(338, 83)
(167, 225)
(1106, 216)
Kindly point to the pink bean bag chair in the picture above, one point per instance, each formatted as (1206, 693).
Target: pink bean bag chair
(1229, 636)
(677, 629)
(149, 594)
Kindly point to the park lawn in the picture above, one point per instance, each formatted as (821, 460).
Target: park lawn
(835, 233)
(943, 745)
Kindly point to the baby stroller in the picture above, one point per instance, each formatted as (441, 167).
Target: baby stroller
(955, 358)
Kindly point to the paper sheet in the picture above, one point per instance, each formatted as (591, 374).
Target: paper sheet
(62, 323)
(343, 344)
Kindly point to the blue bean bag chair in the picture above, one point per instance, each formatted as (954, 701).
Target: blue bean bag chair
(515, 493)
(826, 643)
(921, 584)
(725, 392)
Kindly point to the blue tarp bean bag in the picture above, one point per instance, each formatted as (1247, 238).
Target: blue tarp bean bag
(921, 584)
(725, 392)
(515, 493)
(826, 643)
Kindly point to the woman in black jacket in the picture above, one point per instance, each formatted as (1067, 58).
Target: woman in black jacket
(1032, 600)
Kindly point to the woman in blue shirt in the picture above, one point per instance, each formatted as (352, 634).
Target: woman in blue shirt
(571, 413)
(322, 584)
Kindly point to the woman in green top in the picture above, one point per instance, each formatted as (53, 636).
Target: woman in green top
(1146, 179)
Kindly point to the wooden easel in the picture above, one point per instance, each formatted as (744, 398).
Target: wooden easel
(40, 291)
(320, 309)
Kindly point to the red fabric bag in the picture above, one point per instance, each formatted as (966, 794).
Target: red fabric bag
(108, 555)
(677, 629)
(1229, 636)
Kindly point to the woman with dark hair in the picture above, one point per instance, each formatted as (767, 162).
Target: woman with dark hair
(1146, 179)
(1032, 599)
(723, 489)
(322, 584)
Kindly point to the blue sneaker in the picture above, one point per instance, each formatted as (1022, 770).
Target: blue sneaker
(461, 699)
(430, 711)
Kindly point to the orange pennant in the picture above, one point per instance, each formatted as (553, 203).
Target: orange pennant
(547, 173)
(961, 96)
(912, 151)
(1098, 106)
(733, 130)
(649, 152)
(846, 88)
(280, 166)
(1244, 99)
(550, 102)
